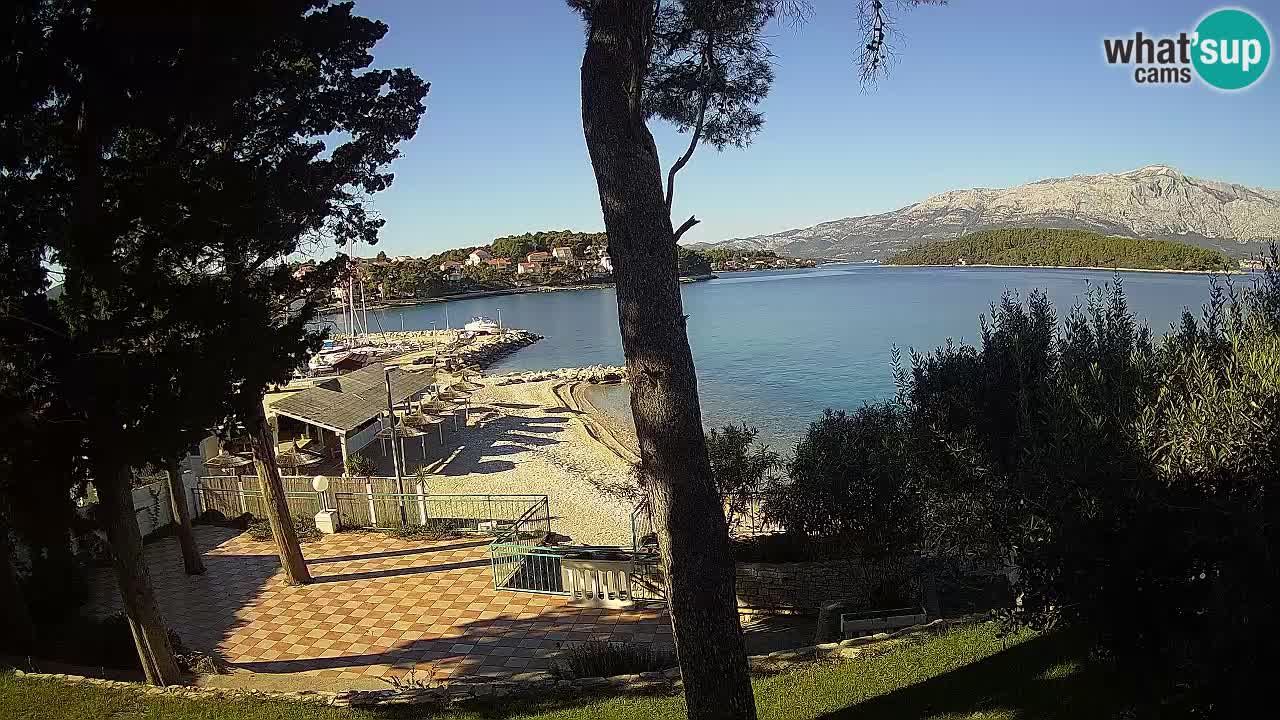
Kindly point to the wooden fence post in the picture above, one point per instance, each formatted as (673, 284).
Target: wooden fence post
(244, 505)
(373, 514)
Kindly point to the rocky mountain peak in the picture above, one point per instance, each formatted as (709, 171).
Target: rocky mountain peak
(1155, 201)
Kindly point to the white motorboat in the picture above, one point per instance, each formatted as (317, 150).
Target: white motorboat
(482, 325)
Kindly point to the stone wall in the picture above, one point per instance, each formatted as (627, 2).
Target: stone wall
(802, 588)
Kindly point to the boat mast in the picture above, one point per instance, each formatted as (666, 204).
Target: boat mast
(364, 310)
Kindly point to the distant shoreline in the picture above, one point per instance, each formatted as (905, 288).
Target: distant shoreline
(395, 304)
(1073, 267)
(398, 304)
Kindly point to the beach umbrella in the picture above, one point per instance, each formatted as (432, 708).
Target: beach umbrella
(446, 408)
(461, 392)
(405, 429)
(296, 457)
(426, 420)
(227, 461)
(465, 386)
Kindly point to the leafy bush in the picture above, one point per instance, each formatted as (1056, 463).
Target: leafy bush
(787, 547)
(433, 530)
(850, 478)
(740, 467)
(304, 525)
(1129, 483)
(596, 658)
(361, 466)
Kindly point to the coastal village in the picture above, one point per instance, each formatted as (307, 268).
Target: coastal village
(544, 260)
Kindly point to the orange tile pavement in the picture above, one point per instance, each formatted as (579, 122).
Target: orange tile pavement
(377, 606)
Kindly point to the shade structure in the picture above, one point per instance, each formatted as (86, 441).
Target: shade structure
(465, 386)
(425, 421)
(227, 461)
(445, 408)
(296, 457)
(404, 430)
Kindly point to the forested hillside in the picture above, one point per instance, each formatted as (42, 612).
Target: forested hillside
(1063, 248)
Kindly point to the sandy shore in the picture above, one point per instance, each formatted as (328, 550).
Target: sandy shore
(615, 431)
(525, 439)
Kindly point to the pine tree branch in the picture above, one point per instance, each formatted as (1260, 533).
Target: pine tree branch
(684, 227)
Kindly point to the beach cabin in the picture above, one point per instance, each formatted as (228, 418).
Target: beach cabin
(343, 414)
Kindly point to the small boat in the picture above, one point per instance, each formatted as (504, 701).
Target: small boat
(482, 325)
(330, 354)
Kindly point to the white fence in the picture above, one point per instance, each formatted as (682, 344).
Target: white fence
(151, 504)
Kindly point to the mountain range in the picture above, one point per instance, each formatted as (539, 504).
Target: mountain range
(1156, 201)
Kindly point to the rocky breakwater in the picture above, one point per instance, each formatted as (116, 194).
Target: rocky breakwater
(484, 349)
(591, 374)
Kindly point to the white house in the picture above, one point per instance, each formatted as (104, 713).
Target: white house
(477, 257)
(563, 254)
(525, 268)
(606, 262)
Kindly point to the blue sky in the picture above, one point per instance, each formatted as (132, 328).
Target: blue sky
(983, 93)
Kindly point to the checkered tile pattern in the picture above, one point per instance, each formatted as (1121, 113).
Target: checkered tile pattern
(377, 606)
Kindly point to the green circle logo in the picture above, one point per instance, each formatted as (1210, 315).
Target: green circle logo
(1232, 49)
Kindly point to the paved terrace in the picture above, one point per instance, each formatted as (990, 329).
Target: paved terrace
(377, 607)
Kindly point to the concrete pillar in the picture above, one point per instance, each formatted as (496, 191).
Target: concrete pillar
(342, 440)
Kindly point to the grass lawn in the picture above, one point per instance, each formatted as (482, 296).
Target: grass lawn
(965, 673)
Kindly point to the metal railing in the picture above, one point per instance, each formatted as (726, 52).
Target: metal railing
(495, 514)
(360, 505)
(518, 559)
(647, 580)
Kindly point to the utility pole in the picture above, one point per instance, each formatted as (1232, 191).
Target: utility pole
(395, 454)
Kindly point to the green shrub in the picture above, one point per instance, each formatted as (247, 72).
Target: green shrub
(850, 478)
(433, 530)
(596, 658)
(361, 466)
(304, 525)
(1129, 481)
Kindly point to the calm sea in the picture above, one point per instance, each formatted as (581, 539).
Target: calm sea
(776, 348)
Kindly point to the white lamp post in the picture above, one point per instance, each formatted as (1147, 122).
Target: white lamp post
(326, 519)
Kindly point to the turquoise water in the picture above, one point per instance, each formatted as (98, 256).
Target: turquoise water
(774, 348)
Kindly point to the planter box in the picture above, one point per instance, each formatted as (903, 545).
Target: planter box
(868, 623)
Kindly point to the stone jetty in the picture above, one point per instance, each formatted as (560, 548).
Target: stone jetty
(591, 373)
(428, 346)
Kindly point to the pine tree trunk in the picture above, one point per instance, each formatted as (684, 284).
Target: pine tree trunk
(191, 561)
(689, 519)
(17, 632)
(273, 498)
(115, 500)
